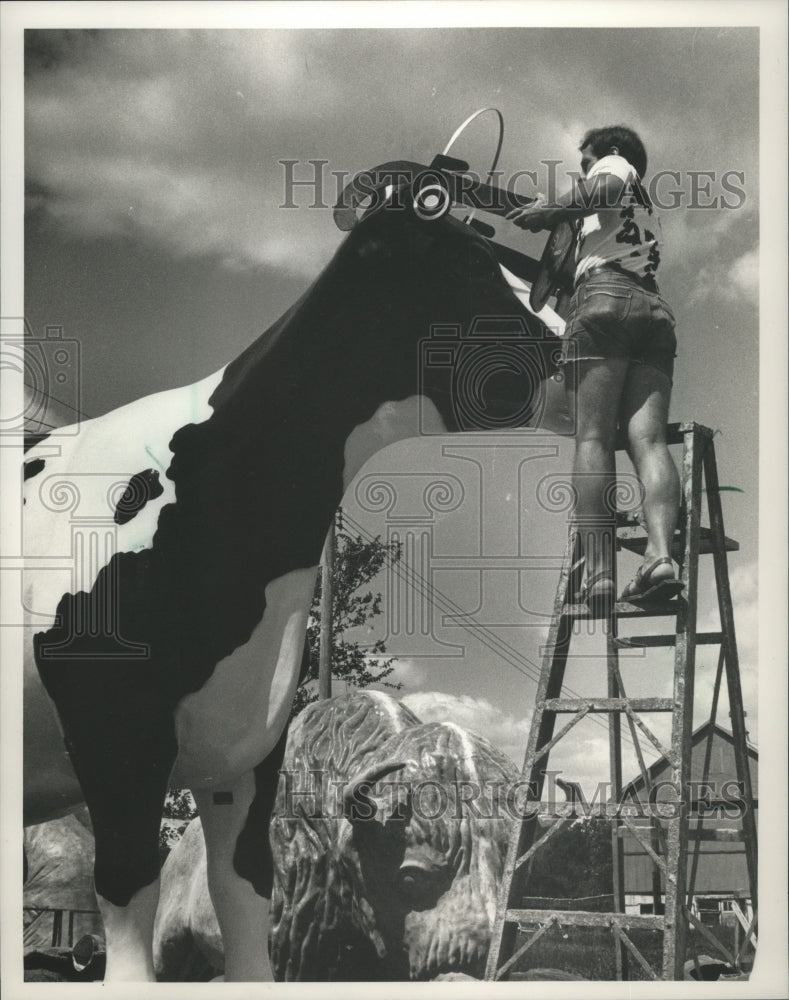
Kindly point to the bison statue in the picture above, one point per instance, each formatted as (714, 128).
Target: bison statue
(388, 838)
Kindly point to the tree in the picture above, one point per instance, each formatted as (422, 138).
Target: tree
(357, 563)
(576, 863)
(179, 810)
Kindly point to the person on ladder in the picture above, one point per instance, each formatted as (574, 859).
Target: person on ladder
(621, 339)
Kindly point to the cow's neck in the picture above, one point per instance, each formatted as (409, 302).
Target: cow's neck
(298, 414)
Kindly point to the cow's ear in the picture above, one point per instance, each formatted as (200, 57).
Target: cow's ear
(376, 185)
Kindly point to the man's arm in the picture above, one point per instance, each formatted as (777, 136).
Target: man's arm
(585, 197)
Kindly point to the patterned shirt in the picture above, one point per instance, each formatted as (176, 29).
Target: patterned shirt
(628, 234)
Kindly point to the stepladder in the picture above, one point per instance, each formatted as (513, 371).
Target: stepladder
(670, 836)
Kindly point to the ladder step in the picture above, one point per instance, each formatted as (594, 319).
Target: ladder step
(631, 536)
(607, 704)
(702, 639)
(586, 918)
(667, 609)
(719, 834)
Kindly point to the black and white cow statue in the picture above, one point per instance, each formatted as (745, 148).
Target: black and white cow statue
(171, 655)
(395, 880)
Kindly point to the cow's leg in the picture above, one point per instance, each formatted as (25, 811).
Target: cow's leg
(240, 868)
(123, 761)
(129, 935)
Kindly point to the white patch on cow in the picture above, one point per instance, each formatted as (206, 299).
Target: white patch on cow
(69, 531)
(234, 721)
(70, 535)
(392, 421)
(129, 932)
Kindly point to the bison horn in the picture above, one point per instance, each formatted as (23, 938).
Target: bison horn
(357, 803)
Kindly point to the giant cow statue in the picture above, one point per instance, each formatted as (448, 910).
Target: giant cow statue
(394, 884)
(170, 641)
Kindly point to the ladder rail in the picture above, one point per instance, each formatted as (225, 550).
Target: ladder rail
(675, 939)
(736, 707)
(540, 733)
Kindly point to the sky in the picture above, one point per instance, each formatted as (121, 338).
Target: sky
(156, 237)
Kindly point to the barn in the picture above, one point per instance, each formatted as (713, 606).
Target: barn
(721, 891)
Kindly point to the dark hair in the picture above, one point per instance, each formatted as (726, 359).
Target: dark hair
(600, 140)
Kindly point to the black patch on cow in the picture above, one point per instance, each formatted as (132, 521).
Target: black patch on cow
(256, 487)
(223, 798)
(252, 858)
(142, 487)
(33, 467)
(31, 440)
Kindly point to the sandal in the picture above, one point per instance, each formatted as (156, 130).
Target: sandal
(640, 591)
(599, 594)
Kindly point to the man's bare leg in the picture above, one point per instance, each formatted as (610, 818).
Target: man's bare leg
(597, 398)
(645, 404)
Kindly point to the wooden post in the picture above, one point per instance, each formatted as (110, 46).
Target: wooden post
(324, 662)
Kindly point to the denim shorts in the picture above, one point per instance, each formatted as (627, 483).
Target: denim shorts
(613, 316)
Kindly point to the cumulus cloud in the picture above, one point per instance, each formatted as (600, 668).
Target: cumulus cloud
(582, 757)
(737, 282)
(175, 138)
(408, 672)
(478, 715)
(743, 275)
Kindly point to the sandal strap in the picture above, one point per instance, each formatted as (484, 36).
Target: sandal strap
(646, 571)
(602, 575)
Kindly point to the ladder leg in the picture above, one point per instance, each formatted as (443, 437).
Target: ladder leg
(540, 732)
(736, 708)
(675, 934)
(615, 764)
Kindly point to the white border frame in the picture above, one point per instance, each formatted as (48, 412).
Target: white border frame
(770, 978)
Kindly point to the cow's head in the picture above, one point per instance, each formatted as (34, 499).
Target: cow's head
(413, 304)
(442, 320)
(423, 851)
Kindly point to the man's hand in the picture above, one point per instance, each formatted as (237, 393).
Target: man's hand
(534, 217)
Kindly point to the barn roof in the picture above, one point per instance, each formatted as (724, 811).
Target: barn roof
(724, 768)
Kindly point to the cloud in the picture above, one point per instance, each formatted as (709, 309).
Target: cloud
(478, 715)
(409, 673)
(744, 275)
(582, 756)
(175, 138)
(738, 282)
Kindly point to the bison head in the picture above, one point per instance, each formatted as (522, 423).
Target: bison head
(400, 880)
